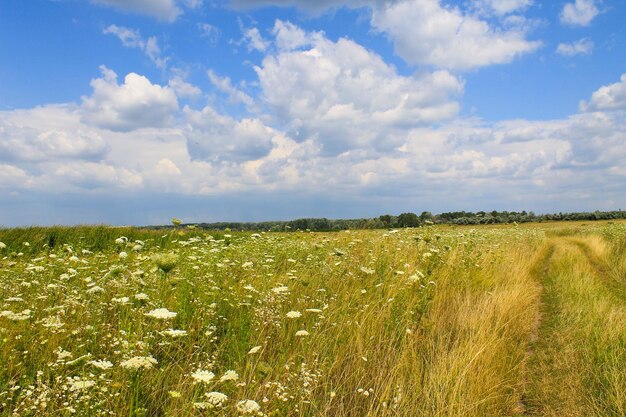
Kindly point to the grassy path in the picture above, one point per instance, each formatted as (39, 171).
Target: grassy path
(578, 362)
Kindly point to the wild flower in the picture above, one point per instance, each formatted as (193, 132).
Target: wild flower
(175, 333)
(294, 314)
(203, 376)
(280, 290)
(94, 289)
(161, 314)
(216, 399)
(139, 362)
(248, 407)
(302, 333)
(24, 315)
(2, 245)
(123, 255)
(165, 261)
(229, 376)
(81, 385)
(367, 271)
(141, 296)
(254, 350)
(101, 364)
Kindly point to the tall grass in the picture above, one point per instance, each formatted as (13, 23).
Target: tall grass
(418, 322)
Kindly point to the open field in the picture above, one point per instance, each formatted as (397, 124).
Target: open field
(439, 321)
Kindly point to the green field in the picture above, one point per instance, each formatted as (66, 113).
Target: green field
(436, 321)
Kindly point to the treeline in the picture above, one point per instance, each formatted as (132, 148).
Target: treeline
(413, 220)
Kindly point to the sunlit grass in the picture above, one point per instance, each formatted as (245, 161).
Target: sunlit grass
(434, 321)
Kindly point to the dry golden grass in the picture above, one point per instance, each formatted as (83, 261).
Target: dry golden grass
(437, 321)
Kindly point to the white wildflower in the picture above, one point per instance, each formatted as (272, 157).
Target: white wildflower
(229, 376)
(294, 314)
(254, 350)
(203, 376)
(280, 290)
(139, 362)
(101, 364)
(302, 333)
(161, 314)
(141, 296)
(24, 315)
(216, 399)
(175, 333)
(94, 290)
(81, 385)
(248, 407)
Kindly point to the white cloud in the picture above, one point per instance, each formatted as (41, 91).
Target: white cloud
(235, 95)
(131, 38)
(579, 13)
(132, 105)
(160, 9)
(48, 133)
(92, 175)
(426, 33)
(182, 88)
(253, 38)
(209, 32)
(344, 96)
(607, 98)
(215, 137)
(12, 177)
(289, 36)
(580, 47)
(502, 7)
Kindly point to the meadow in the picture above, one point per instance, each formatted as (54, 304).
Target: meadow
(433, 321)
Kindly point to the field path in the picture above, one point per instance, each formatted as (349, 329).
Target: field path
(576, 356)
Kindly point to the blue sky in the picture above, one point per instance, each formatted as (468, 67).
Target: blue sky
(134, 111)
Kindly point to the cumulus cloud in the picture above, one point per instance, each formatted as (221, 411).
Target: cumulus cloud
(579, 13)
(344, 96)
(12, 177)
(607, 98)
(580, 47)
(93, 175)
(48, 133)
(160, 9)
(253, 38)
(289, 36)
(131, 38)
(225, 85)
(502, 7)
(182, 88)
(132, 105)
(215, 137)
(426, 33)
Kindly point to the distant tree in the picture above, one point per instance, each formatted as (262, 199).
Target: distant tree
(386, 220)
(408, 220)
(426, 215)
